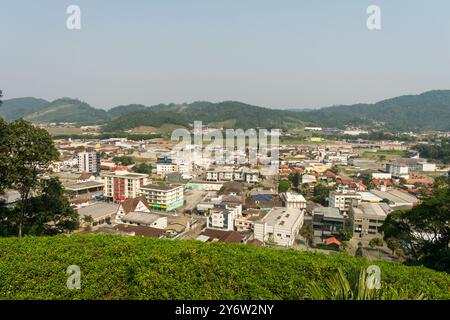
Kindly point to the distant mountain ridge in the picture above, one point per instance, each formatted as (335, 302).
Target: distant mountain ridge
(426, 111)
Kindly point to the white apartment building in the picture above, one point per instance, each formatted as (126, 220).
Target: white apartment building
(281, 225)
(232, 174)
(223, 218)
(293, 200)
(166, 197)
(343, 199)
(89, 162)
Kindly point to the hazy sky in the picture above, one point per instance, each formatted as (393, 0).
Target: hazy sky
(271, 53)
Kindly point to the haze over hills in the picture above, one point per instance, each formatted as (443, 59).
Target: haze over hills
(426, 111)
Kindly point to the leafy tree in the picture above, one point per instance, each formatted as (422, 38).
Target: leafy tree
(424, 230)
(376, 243)
(88, 220)
(321, 193)
(346, 234)
(50, 213)
(123, 160)
(307, 233)
(394, 244)
(294, 178)
(284, 186)
(28, 152)
(143, 168)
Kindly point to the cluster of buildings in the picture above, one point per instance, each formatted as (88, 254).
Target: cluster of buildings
(227, 201)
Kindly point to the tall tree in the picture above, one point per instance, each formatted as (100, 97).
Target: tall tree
(28, 152)
(425, 229)
(50, 212)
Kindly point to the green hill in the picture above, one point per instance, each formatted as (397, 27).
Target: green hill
(426, 111)
(67, 110)
(228, 113)
(17, 108)
(119, 267)
(124, 110)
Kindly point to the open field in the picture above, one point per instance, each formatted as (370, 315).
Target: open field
(386, 154)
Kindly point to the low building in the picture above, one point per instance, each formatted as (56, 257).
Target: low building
(327, 222)
(145, 219)
(166, 197)
(423, 166)
(280, 226)
(293, 200)
(367, 218)
(396, 198)
(138, 204)
(212, 235)
(139, 231)
(100, 212)
(381, 175)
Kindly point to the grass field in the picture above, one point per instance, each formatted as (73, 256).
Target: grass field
(386, 154)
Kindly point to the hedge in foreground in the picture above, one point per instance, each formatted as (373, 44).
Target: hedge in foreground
(118, 267)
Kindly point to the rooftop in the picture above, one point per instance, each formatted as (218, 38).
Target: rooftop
(99, 210)
(328, 212)
(161, 187)
(373, 209)
(282, 216)
(396, 197)
(141, 217)
(293, 197)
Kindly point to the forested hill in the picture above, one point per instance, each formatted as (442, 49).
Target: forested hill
(228, 114)
(426, 111)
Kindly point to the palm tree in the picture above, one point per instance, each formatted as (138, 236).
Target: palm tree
(354, 287)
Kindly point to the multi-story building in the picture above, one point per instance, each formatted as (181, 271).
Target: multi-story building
(343, 199)
(166, 197)
(222, 216)
(232, 174)
(293, 200)
(280, 226)
(327, 223)
(89, 162)
(397, 169)
(120, 185)
(367, 218)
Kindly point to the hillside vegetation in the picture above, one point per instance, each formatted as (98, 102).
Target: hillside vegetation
(116, 267)
(426, 111)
